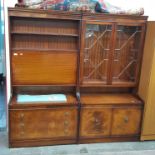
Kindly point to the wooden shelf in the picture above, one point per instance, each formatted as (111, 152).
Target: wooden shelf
(43, 85)
(110, 99)
(44, 33)
(44, 50)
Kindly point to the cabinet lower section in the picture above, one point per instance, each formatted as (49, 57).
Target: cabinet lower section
(36, 125)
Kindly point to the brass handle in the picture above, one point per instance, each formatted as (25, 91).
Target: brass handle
(126, 119)
(21, 115)
(21, 124)
(66, 113)
(66, 123)
(66, 131)
(22, 133)
(97, 121)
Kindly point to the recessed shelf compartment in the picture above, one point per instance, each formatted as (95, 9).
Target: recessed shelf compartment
(44, 42)
(45, 26)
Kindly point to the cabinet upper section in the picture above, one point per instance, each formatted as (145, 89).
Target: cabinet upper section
(70, 48)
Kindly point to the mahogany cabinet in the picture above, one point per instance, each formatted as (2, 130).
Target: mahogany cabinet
(92, 59)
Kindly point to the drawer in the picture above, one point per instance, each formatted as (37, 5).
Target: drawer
(126, 121)
(95, 122)
(53, 123)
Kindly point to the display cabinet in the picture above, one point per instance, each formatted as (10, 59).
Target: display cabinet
(92, 59)
(111, 53)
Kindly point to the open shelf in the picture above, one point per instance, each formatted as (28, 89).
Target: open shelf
(44, 49)
(44, 33)
(44, 42)
(45, 26)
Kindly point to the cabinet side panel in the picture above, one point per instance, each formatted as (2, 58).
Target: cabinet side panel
(147, 84)
(147, 61)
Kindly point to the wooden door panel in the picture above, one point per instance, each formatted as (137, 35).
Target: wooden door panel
(43, 123)
(44, 68)
(126, 121)
(95, 122)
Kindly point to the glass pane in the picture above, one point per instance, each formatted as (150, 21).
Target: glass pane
(96, 52)
(126, 53)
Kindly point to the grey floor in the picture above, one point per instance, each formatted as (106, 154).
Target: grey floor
(123, 148)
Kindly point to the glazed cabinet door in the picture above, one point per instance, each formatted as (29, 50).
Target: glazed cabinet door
(54, 123)
(95, 122)
(96, 48)
(127, 54)
(111, 53)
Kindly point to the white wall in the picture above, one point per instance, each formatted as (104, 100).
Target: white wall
(146, 4)
(7, 3)
(148, 8)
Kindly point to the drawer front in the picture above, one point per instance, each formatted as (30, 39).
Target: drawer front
(43, 123)
(126, 121)
(95, 122)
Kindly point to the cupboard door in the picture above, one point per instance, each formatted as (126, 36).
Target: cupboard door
(56, 123)
(43, 68)
(126, 121)
(95, 122)
(127, 54)
(96, 52)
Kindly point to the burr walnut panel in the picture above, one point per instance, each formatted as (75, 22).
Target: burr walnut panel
(126, 121)
(55, 123)
(95, 122)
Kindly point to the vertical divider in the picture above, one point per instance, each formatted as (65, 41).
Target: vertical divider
(80, 26)
(111, 54)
